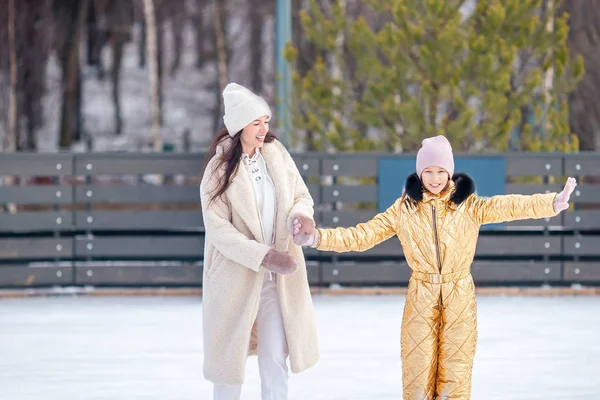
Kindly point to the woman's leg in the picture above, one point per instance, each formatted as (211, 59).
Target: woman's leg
(458, 339)
(419, 340)
(272, 344)
(227, 392)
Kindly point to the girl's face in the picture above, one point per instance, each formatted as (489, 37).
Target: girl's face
(434, 179)
(253, 135)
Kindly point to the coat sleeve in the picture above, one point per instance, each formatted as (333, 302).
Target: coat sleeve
(512, 207)
(363, 236)
(228, 241)
(303, 201)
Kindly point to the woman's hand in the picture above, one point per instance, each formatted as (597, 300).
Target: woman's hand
(562, 199)
(280, 263)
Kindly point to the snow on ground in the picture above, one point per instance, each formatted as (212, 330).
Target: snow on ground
(88, 348)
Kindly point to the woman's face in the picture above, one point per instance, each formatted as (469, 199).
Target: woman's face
(253, 135)
(434, 179)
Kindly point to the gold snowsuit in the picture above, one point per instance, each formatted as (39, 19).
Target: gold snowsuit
(439, 326)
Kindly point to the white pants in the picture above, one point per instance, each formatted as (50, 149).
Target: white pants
(272, 349)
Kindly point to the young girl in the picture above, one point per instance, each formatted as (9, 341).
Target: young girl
(255, 294)
(437, 220)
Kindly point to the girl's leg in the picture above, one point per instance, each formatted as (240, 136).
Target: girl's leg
(227, 392)
(458, 339)
(419, 340)
(272, 344)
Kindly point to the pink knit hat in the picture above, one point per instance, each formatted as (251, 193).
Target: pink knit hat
(436, 151)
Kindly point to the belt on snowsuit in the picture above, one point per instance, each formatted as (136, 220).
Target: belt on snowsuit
(440, 278)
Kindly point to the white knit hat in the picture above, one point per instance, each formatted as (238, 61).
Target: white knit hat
(242, 107)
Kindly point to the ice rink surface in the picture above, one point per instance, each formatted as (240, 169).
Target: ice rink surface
(134, 348)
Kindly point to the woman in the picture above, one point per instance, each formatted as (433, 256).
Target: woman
(256, 298)
(437, 221)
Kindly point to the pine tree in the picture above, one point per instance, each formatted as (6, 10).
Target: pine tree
(326, 95)
(492, 79)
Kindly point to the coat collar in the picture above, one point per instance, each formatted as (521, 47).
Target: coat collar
(256, 156)
(460, 187)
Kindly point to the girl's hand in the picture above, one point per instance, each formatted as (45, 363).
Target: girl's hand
(297, 219)
(562, 199)
(304, 231)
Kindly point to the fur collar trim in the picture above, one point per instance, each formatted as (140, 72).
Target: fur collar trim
(464, 186)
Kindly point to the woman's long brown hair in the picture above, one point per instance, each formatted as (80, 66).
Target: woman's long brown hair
(230, 159)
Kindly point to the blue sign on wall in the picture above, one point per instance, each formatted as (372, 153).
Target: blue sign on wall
(487, 172)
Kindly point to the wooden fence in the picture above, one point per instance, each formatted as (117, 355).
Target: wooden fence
(134, 219)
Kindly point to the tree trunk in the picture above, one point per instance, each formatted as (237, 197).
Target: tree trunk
(96, 38)
(11, 137)
(222, 60)
(33, 56)
(198, 26)
(256, 47)
(152, 49)
(177, 17)
(30, 113)
(177, 47)
(160, 55)
(70, 125)
(117, 61)
(142, 44)
(221, 44)
(91, 34)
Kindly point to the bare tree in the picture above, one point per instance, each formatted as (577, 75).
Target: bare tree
(23, 63)
(176, 13)
(201, 30)
(141, 18)
(95, 37)
(222, 57)
(33, 52)
(11, 142)
(221, 40)
(152, 50)
(111, 22)
(256, 11)
(69, 20)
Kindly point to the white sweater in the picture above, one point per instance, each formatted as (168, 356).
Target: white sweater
(264, 190)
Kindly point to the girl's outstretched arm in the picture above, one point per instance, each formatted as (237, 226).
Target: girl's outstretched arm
(514, 207)
(363, 236)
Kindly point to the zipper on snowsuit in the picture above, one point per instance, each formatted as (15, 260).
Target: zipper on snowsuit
(437, 245)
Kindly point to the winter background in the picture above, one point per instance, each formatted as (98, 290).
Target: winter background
(191, 92)
(109, 348)
(189, 102)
